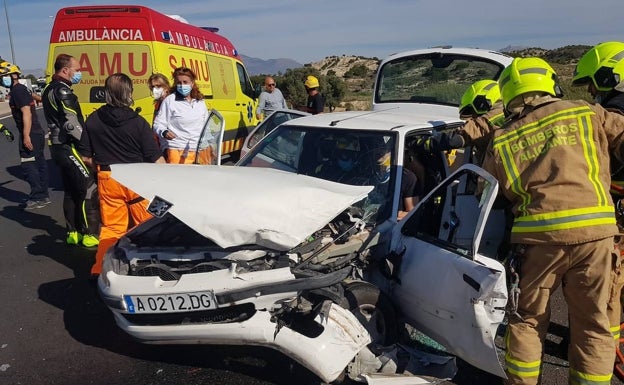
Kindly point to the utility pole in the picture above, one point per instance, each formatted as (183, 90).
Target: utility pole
(6, 13)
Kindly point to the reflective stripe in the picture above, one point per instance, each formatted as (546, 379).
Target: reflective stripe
(536, 70)
(565, 219)
(24, 160)
(497, 120)
(79, 158)
(578, 378)
(618, 56)
(532, 127)
(615, 331)
(513, 176)
(69, 109)
(522, 369)
(591, 156)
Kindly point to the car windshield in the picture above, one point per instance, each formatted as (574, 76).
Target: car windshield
(434, 78)
(359, 158)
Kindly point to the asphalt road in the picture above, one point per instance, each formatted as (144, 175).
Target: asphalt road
(55, 330)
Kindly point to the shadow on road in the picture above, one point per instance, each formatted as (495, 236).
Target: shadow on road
(89, 321)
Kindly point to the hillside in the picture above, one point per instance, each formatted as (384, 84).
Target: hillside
(360, 82)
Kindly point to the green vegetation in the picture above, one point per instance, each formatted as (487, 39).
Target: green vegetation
(353, 90)
(291, 84)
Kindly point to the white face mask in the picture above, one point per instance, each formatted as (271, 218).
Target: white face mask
(157, 92)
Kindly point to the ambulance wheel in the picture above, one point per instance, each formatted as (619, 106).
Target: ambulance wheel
(618, 368)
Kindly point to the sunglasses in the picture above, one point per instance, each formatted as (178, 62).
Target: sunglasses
(271, 85)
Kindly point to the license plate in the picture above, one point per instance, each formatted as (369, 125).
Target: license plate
(170, 303)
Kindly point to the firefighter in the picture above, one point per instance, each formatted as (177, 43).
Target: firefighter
(31, 135)
(482, 109)
(66, 123)
(316, 101)
(551, 158)
(601, 69)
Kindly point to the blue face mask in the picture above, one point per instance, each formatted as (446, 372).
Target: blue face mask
(184, 89)
(346, 164)
(76, 78)
(6, 81)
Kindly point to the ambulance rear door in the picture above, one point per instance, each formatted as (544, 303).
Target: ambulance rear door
(232, 94)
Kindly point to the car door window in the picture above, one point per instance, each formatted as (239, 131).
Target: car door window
(269, 124)
(449, 216)
(209, 143)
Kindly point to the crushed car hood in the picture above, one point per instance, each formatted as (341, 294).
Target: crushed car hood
(234, 206)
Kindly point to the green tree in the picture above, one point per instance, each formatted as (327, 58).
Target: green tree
(357, 71)
(292, 86)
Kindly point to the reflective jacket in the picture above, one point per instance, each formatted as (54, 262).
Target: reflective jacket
(476, 131)
(552, 164)
(615, 102)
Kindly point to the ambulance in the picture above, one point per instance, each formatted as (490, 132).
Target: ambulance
(139, 41)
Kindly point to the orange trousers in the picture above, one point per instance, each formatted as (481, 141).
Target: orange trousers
(120, 209)
(180, 156)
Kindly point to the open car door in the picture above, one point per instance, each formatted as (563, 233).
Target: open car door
(444, 285)
(265, 127)
(211, 139)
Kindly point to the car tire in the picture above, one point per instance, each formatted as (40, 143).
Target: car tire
(374, 311)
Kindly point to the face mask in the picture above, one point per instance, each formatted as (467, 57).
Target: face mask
(184, 89)
(76, 78)
(157, 92)
(345, 164)
(6, 81)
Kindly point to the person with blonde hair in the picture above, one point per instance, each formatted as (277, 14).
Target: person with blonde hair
(159, 88)
(116, 133)
(181, 118)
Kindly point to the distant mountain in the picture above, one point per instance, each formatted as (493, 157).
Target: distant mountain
(257, 66)
(512, 48)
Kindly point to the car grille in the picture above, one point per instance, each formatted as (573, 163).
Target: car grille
(235, 313)
(168, 273)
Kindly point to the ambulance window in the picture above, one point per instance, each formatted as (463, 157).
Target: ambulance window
(244, 80)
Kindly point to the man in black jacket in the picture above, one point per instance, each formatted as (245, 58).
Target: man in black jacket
(66, 123)
(31, 135)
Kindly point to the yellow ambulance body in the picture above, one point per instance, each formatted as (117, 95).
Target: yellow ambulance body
(139, 41)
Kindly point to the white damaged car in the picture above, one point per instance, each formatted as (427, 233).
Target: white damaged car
(297, 248)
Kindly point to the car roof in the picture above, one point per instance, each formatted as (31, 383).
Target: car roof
(502, 58)
(393, 119)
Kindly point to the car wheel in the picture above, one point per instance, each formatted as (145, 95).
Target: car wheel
(374, 311)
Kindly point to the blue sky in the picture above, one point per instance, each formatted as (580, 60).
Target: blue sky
(310, 30)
